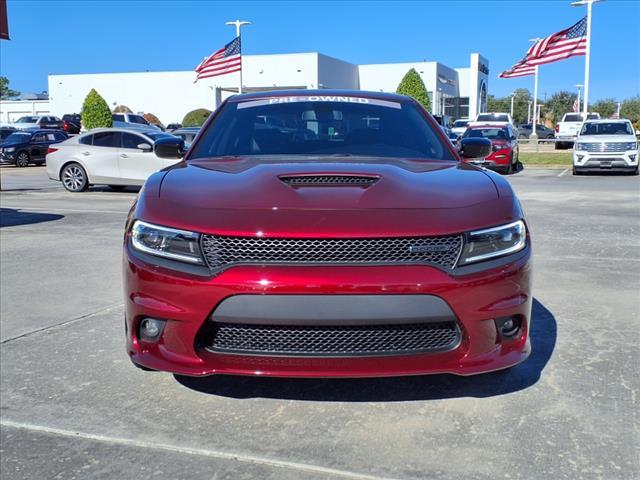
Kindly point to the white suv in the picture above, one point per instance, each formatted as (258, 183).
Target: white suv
(606, 145)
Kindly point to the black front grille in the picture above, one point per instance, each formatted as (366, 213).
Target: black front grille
(222, 251)
(329, 180)
(333, 341)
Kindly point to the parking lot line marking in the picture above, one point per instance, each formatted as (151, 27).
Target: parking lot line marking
(563, 172)
(240, 457)
(62, 210)
(62, 324)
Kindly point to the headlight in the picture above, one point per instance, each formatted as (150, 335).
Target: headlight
(494, 242)
(9, 149)
(166, 242)
(631, 146)
(581, 146)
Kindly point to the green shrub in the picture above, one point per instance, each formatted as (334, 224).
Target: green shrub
(196, 118)
(95, 112)
(413, 86)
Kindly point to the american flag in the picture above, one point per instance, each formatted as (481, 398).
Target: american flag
(226, 60)
(564, 44)
(520, 69)
(576, 105)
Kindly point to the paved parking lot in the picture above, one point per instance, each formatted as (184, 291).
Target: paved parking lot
(72, 405)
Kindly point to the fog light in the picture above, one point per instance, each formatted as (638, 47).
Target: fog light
(509, 326)
(151, 329)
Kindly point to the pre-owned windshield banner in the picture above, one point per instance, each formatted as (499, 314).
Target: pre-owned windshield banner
(318, 98)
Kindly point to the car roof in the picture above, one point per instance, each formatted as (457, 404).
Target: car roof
(310, 93)
(491, 125)
(121, 129)
(608, 120)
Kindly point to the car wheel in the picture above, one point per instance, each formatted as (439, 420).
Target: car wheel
(74, 178)
(22, 160)
(577, 172)
(636, 171)
(117, 188)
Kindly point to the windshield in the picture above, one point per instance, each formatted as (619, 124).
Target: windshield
(609, 128)
(460, 123)
(490, 133)
(18, 137)
(492, 117)
(318, 125)
(27, 120)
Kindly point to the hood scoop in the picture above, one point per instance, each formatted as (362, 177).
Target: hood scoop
(329, 180)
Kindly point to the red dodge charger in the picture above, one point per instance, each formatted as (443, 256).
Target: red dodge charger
(326, 234)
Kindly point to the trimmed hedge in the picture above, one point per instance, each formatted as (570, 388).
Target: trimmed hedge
(95, 112)
(413, 86)
(196, 118)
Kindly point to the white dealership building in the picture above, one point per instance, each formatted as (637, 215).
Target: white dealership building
(458, 92)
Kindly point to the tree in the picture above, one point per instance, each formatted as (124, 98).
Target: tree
(196, 118)
(122, 109)
(413, 86)
(558, 104)
(152, 119)
(605, 107)
(5, 91)
(630, 109)
(95, 112)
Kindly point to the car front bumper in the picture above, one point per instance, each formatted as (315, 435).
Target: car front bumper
(191, 304)
(598, 162)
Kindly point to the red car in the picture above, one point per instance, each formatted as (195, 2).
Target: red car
(504, 146)
(326, 234)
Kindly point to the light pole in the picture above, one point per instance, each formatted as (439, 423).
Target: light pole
(587, 57)
(238, 24)
(579, 85)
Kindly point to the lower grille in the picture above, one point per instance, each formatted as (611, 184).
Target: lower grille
(333, 341)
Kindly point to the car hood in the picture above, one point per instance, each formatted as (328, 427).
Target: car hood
(243, 196)
(606, 138)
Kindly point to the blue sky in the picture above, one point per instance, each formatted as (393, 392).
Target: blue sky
(119, 36)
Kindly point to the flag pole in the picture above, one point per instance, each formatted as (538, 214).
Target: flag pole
(238, 24)
(534, 135)
(587, 57)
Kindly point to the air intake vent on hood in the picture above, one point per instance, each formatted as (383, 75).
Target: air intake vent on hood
(329, 180)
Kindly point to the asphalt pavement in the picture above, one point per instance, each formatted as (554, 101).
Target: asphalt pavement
(73, 406)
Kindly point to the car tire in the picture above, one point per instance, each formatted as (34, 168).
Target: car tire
(23, 159)
(577, 172)
(74, 178)
(117, 188)
(636, 171)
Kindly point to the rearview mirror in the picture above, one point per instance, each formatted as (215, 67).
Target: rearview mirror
(170, 147)
(145, 147)
(475, 147)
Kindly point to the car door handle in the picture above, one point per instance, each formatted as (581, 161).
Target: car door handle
(86, 153)
(124, 155)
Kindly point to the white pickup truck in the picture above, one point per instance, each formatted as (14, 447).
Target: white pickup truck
(567, 129)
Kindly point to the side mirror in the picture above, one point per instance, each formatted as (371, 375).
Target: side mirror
(475, 147)
(170, 147)
(145, 147)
